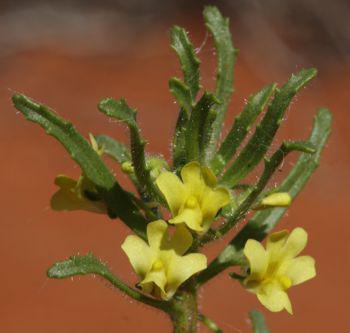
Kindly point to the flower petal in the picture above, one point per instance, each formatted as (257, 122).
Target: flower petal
(65, 200)
(173, 190)
(192, 177)
(274, 298)
(192, 217)
(182, 268)
(156, 234)
(299, 269)
(295, 243)
(257, 258)
(147, 287)
(65, 182)
(139, 254)
(158, 277)
(69, 200)
(69, 197)
(275, 243)
(181, 240)
(209, 177)
(212, 201)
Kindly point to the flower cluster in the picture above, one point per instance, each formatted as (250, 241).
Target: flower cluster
(194, 202)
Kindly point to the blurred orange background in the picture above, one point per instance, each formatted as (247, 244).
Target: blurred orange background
(71, 55)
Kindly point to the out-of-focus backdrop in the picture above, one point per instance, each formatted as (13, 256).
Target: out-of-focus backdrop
(71, 54)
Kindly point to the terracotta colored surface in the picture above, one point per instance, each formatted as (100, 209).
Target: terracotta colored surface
(33, 237)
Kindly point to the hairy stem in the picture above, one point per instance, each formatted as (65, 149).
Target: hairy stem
(184, 309)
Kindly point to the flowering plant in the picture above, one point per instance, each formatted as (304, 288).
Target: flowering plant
(203, 188)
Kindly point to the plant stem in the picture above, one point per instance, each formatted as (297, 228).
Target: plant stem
(184, 309)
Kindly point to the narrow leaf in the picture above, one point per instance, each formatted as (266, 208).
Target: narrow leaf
(241, 126)
(118, 109)
(196, 125)
(188, 59)
(263, 222)
(226, 56)
(89, 264)
(117, 200)
(258, 145)
(258, 322)
(179, 140)
(190, 69)
(182, 94)
(207, 131)
(77, 265)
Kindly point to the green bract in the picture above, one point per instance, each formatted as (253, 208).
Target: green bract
(211, 200)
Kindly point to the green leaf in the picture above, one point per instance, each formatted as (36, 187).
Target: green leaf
(182, 94)
(188, 59)
(206, 134)
(303, 146)
(226, 57)
(264, 222)
(113, 148)
(179, 140)
(241, 126)
(118, 109)
(196, 125)
(77, 265)
(89, 264)
(258, 145)
(117, 200)
(258, 322)
(190, 68)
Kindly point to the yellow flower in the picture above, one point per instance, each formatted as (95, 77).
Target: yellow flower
(161, 264)
(195, 200)
(274, 270)
(72, 195)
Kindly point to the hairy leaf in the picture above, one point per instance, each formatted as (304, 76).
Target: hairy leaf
(77, 265)
(89, 264)
(117, 200)
(258, 145)
(182, 94)
(185, 93)
(241, 126)
(188, 59)
(118, 109)
(226, 57)
(196, 126)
